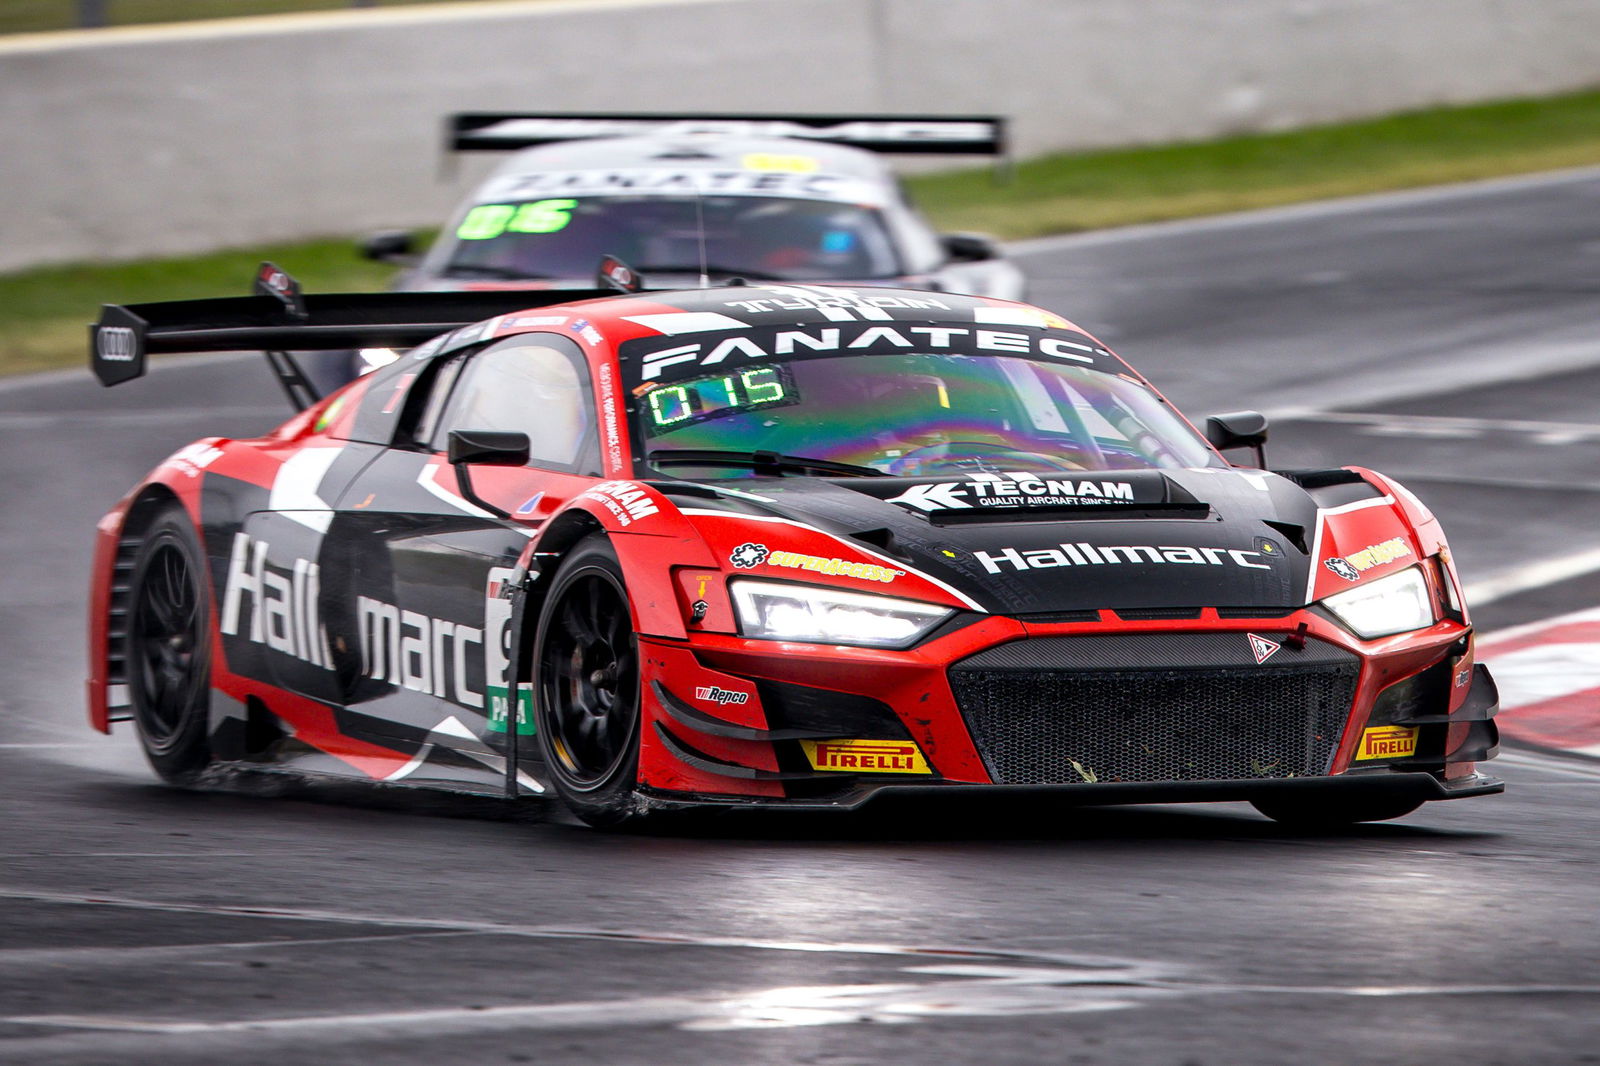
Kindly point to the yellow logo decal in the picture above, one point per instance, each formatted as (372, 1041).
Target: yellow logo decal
(1388, 742)
(792, 164)
(866, 756)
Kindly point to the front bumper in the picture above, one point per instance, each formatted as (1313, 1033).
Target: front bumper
(1407, 785)
(1106, 711)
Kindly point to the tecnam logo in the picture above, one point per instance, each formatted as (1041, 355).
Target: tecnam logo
(114, 344)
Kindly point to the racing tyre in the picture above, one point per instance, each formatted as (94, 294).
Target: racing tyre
(167, 652)
(587, 693)
(1331, 814)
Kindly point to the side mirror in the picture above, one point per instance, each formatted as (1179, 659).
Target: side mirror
(969, 247)
(389, 246)
(1239, 429)
(487, 447)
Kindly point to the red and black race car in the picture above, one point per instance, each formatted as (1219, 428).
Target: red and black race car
(776, 545)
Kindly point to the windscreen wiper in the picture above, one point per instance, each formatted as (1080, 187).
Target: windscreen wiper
(763, 463)
(484, 270)
(712, 268)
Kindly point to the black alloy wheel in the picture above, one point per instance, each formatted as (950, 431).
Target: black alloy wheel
(587, 671)
(167, 651)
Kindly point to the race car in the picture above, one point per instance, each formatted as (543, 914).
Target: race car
(790, 198)
(769, 546)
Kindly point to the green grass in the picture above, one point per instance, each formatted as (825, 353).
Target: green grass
(43, 312)
(1066, 193)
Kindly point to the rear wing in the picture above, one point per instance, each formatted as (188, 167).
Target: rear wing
(503, 131)
(280, 319)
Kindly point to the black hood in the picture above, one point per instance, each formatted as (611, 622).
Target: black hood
(1044, 544)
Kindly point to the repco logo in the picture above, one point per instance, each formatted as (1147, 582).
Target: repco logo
(714, 694)
(114, 344)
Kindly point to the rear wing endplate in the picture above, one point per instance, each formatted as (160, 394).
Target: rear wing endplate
(501, 131)
(124, 337)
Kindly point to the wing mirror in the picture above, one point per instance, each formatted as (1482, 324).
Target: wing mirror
(489, 448)
(389, 246)
(1239, 429)
(969, 247)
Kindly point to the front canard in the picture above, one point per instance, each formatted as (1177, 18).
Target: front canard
(1388, 742)
(866, 756)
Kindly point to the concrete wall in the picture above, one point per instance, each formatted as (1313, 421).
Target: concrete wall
(133, 142)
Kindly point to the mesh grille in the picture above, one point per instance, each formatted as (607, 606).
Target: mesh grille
(1058, 725)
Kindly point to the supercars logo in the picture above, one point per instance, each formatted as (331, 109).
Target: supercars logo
(1351, 566)
(1388, 742)
(866, 756)
(747, 556)
(1262, 648)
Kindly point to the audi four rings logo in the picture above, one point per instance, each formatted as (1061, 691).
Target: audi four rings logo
(115, 344)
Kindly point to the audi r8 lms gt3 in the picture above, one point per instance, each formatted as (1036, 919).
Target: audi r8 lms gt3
(784, 198)
(769, 547)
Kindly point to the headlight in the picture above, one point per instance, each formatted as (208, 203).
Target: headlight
(817, 615)
(1393, 604)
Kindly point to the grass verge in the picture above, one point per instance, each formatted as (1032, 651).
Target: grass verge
(43, 312)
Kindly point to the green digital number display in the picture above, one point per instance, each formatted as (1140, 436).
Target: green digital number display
(717, 395)
(488, 221)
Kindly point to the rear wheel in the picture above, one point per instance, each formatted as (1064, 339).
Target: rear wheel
(587, 671)
(1331, 813)
(168, 655)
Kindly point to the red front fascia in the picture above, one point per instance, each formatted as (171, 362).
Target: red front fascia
(914, 684)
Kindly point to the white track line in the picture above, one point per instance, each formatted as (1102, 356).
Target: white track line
(1320, 209)
(1532, 576)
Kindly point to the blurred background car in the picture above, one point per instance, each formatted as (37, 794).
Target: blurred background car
(782, 198)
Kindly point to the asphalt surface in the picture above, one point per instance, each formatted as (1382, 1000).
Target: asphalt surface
(1447, 339)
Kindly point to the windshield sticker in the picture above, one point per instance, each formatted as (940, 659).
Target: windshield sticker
(488, 221)
(1015, 489)
(702, 181)
(1020, 316)
(836, 305)
(1352, 566)
(688, 403)
(793, 164)
(1084, 554)
(858, 337)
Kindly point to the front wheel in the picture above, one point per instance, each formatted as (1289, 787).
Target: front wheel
(167, 652)
(1333, 812)
(587, 671)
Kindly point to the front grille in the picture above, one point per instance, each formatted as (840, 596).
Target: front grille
(1160, 707)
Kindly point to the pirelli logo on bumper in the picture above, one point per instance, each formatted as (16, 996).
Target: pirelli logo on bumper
(1388, 742)
(866, 756)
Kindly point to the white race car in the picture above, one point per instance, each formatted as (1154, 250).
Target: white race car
(686, 199)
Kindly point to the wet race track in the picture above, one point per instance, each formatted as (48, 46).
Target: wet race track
(1446, 338)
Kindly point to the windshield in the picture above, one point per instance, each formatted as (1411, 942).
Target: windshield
(909, 414)
(758, 237)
